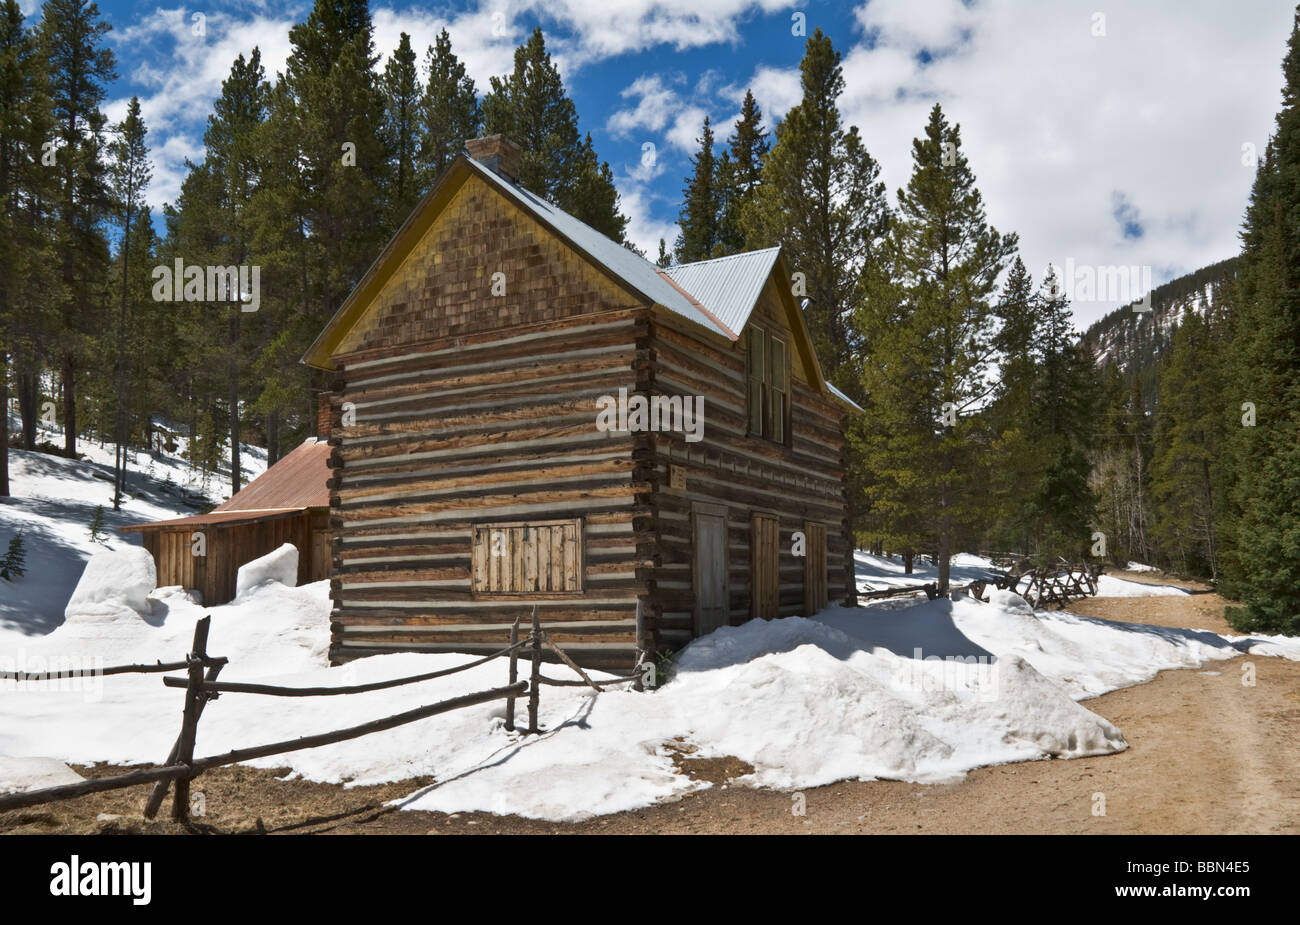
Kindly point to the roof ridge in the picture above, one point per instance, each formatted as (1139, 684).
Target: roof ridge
(693, 263)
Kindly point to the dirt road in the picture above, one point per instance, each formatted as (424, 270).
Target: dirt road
(1208, 754)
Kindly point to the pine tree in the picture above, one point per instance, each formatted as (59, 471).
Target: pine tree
(79, 68)
(1013, 462)
(530, 106)
(1063, 406)
(131, 172)
(13, 563)
(930, 331)
(821, 199)
(26, 121)
(1189, 437)
(740, 170)
(97, 534)
(402, 122)
(698, 220)
(449, 109)
(235, 165)
(1261, 519)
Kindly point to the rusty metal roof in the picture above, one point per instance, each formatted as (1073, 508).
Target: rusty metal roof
(293, 484)
(296, 481)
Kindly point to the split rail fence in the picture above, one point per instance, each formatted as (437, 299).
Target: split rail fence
(201, 685)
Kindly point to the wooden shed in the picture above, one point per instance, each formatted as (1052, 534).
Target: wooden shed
(289, 503)
(526, 412)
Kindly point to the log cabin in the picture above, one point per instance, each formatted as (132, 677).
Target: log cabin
(288, 503)
(524, 412)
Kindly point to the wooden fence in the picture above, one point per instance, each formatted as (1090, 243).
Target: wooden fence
(201, 685)
(1056, 583)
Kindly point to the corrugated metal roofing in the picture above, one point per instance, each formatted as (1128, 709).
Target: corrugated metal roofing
(632, 268)
(728, 287)
(296, 482)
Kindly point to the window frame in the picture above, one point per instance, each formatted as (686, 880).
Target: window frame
(767, 402)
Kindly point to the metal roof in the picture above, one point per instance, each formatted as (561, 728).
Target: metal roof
(295, 481)
(293, 484)
(629, 266)
(728, 287)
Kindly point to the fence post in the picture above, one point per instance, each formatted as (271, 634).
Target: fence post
(189, 724)
(535, 686)
(159, 792)
(514, 674)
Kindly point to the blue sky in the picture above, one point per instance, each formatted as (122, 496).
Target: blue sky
(1104, 136)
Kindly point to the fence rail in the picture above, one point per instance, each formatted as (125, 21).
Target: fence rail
(201, 685)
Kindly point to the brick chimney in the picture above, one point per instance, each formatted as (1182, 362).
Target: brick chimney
(498, 154)
(324, 416)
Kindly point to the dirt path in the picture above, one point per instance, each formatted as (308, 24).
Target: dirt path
(1207, 754)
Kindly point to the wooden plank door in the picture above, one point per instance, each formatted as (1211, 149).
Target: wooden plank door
(814, 568)
(712, 605)
(765, 567)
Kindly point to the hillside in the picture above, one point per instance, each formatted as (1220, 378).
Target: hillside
(54, 500)
(1134, 340)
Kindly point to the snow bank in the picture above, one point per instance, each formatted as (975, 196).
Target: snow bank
(280, 565)
(1110, 586)
(921, 692)
(115, 586)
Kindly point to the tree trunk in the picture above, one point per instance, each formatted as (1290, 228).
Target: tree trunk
(233, 372)
(69, 406)
(4, 424)
(907, 562)
(28, 392)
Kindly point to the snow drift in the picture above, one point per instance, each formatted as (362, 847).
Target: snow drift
(921, 691)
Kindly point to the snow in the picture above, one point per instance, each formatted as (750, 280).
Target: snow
(912, 690)
(53, 501)
(1110, 586)
(34, 773)
(1139, 567)
(280, 565)
(114, 586)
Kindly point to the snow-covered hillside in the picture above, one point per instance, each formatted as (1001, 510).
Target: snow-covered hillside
(54, 500)
(909, 690)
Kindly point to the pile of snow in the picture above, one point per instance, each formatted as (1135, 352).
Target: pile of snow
(1139, 567)
(1110, 586)
(280, 565)
(923, 692)
(115, 586)
(876, 573)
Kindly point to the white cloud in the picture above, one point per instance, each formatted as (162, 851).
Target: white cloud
(643, 229)
(655, 104)
(1057, 123)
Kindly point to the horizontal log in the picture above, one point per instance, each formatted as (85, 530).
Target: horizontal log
(10, 801)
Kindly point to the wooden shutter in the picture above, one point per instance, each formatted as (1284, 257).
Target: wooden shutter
(765, 567)
(528, 558)
(814, 568)
(757, 379)
(778, 387)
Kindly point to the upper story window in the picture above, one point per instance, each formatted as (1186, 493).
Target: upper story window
(769, 385)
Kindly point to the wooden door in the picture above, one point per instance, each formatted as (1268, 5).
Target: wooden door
(814, 568)
(712, 605)
(765, 567)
